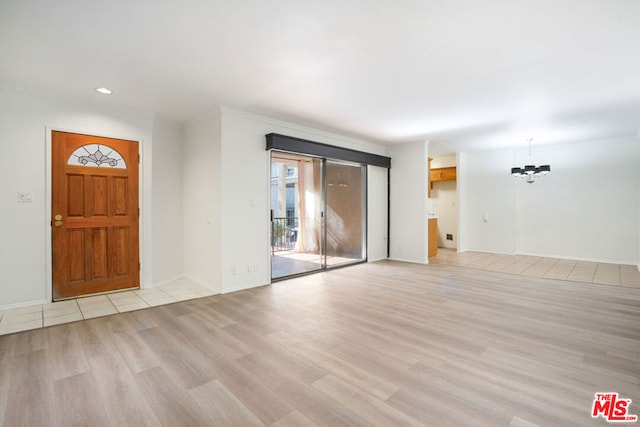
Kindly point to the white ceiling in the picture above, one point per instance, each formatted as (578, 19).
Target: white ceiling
(463, 74)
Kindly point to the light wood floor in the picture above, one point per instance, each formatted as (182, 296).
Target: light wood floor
(379, 344)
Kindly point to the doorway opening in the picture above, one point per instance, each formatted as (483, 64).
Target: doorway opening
(443, 202)
(318, 214)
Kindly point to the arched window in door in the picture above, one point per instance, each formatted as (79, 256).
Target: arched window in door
(97, 155)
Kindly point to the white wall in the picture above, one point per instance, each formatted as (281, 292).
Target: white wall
(487, 190)
(226, 195)
(408, 216)
(245, 192)
(182, 176)
(167, 200)
(245, 201)
(201, 178)
(443, 161)
(377, 213)
(586, 208)
(26, 121)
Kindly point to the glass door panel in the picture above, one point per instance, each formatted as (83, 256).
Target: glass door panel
(296, 214)
(345, 213)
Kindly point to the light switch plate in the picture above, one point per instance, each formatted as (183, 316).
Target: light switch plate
(25, 196)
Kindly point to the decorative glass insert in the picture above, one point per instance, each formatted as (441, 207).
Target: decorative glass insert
(97, 155)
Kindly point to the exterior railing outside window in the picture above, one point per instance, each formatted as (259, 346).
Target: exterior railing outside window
(284, 234)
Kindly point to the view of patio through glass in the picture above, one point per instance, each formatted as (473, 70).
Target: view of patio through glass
(296, 212)
(317, 214)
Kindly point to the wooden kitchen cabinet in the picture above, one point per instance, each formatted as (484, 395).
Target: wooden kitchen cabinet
(433, 237)
(443, 174)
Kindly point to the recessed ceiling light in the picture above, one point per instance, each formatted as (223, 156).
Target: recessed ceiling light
(104, 90)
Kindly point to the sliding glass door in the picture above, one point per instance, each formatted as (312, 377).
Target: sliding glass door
(318, 214)
(345, 213)
(296, 214)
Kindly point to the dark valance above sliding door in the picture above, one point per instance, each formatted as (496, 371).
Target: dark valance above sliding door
(303, 146)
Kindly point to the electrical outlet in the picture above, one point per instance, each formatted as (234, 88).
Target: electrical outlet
(233, 270)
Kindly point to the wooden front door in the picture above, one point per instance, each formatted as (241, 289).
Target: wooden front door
(94, 204)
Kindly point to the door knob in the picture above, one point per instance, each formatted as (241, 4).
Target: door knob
(58, 217)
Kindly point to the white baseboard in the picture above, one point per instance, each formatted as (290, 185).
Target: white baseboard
(411, 261)
(163, 282)
(23, 304)
(245, 287)
(201, 282)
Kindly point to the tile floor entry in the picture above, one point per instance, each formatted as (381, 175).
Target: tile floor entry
(55, 313)
(543, 267)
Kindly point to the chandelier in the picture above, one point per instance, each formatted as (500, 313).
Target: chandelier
(530, 172)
